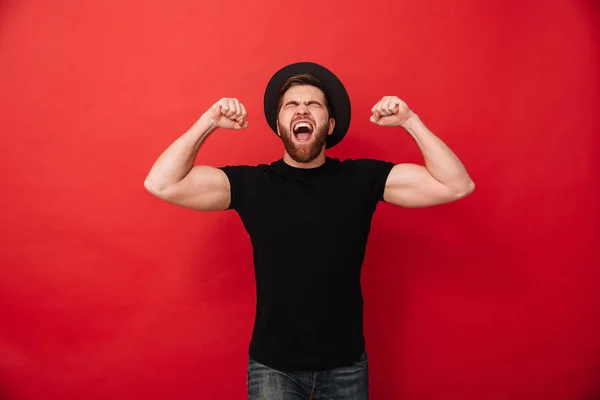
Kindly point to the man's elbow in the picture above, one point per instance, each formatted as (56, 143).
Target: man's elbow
(465, 190)
(154, 189)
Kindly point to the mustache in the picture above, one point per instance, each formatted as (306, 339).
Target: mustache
(306, 118)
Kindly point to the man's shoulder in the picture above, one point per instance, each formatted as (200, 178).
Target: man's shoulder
(251, 167)
(365, 163)
(247, 170)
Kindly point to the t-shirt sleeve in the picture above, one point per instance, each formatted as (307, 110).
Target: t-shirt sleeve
(240, 178)
(374, 173)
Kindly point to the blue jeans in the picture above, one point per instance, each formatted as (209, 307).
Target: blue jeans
(344, 383)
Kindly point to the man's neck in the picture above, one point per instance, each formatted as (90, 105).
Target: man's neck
(317, 162)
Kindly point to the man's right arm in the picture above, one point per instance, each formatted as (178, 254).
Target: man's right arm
(173, 177)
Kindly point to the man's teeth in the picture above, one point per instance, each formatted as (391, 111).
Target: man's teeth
(302, 125)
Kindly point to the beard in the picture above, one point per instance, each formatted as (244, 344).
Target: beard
(304, 153)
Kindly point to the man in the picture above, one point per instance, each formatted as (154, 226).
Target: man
(308, 217)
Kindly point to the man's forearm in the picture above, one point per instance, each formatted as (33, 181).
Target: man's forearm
(178, 159)
(440, 161)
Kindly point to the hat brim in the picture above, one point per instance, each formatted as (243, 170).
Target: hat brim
(339, 101)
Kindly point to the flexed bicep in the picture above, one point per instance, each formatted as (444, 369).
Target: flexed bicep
(204, 188)
(411, 185)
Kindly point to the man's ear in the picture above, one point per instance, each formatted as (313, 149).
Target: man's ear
(331, 126)
(277, 124)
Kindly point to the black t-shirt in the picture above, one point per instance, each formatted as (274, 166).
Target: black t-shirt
(308, 229)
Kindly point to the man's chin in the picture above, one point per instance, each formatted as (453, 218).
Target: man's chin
(304, 152)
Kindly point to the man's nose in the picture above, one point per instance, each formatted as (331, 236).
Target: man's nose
(302, 109)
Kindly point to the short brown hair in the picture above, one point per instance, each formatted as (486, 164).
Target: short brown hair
(302, 79)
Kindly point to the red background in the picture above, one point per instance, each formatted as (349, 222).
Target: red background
(108, 293)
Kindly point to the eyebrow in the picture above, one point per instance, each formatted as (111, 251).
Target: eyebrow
(296, 102)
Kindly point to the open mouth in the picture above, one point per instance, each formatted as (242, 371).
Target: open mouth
(303, 131)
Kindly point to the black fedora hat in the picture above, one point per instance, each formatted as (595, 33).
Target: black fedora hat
(339, 101)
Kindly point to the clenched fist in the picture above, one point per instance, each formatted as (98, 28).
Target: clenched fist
(390, 111)
(228, 113)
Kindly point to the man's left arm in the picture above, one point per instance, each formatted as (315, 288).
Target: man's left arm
(443, 179)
